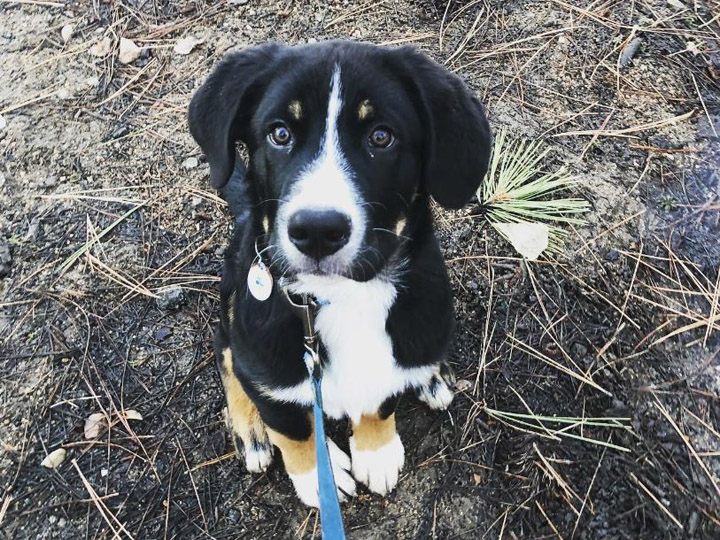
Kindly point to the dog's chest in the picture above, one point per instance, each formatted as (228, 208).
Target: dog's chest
(361, 372)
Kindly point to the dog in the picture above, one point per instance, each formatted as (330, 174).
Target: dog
(346, 144)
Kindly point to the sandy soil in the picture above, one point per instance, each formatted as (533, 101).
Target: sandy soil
(623, 324)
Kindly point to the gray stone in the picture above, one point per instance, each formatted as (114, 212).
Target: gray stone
(170, 298)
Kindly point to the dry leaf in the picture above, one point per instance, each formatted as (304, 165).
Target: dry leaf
(129, 52)
(463, 385)
(94, 425)
(186, 45)
(66, 32)
(477, 478)
(693, 48)
(54, 459)
(102, 48)
(528, 239)
(132, 415)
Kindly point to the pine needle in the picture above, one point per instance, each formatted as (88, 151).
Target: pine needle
(516, 190)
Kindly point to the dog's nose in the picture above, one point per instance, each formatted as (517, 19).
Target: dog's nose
(319, 233)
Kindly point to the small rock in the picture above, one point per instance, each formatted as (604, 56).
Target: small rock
(3, 122)
(233, 516)
(196, 201)
(612, 255)
(120, 131)
(33, 229)
(129, 52)
(629, 52)
(5, 259)
(190, 163)
(186, 45)
(473, 285)
(463, 385)
(66, 32)
(54, 459)
(101, 48)
(50, 181)
(61, 522)
(52, 520)
(162, 334)
(170, 298)
(239, 2)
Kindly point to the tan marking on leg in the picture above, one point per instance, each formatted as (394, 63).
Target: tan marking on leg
(295, 109)
(372, 432)
(365, 110)
(243, 416)
(298, 456)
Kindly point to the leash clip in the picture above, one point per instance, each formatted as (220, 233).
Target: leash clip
(305, 309)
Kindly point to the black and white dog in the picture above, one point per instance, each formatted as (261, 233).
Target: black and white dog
(347, 142)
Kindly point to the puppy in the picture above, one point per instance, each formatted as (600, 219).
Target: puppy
(347, 142)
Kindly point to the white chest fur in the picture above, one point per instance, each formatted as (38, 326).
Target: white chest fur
(361, 372)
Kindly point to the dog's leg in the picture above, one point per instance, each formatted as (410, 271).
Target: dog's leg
(243, 418)
(298, 453)
(376, 449)
(438, 391)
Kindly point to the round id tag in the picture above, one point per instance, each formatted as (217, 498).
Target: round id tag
(260, 281)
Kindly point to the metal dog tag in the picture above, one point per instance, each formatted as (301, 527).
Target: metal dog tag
(260, 281)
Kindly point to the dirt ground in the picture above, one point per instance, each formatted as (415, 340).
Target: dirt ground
(622, 324)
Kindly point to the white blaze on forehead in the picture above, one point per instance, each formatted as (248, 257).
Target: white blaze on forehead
(326, 184)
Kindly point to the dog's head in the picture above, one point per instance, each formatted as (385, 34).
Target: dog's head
(345, 142)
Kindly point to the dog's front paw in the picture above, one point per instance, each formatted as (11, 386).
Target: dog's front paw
(306, 484)
(258, 457)
(438, 391)
(379, 468)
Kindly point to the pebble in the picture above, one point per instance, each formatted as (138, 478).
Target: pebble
(162, 334)
(233, 516)
(120, 131)
(612, 255)
(190, 163)
(170, 298)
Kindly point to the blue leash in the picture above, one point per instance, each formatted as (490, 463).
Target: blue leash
(331, 522)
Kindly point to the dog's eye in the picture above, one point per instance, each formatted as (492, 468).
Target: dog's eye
(280, 135)
(381, 137)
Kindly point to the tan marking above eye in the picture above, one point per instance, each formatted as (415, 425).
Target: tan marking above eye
(295, 109)
(365, 110)
(265, 223)
(400, 226)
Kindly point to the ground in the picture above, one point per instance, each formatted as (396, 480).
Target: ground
(622, 323)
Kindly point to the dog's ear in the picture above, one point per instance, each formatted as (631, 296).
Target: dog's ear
(457, 134)
(220, 112)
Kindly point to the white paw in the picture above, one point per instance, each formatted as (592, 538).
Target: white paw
(437, 394)
(378, 469)
(306, 484)
(258, 458)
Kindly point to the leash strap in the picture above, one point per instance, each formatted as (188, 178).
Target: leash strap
(331, 522)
